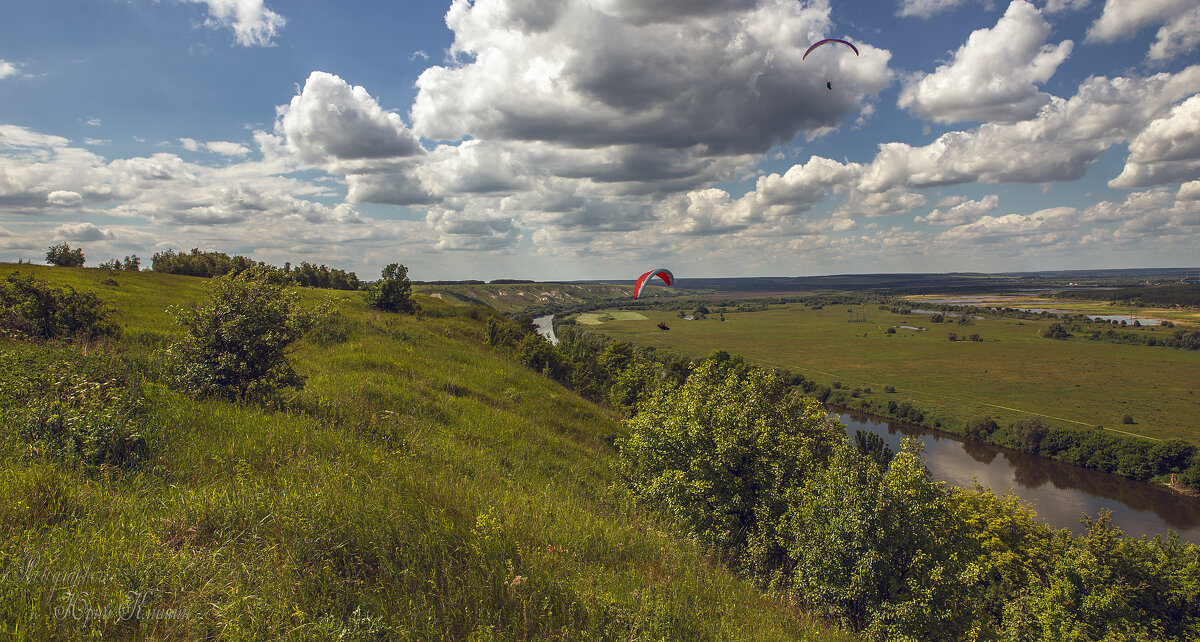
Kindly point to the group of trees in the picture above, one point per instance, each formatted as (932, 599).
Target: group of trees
(319, 276)
(202, 264)
(130, 264)
(760, 476)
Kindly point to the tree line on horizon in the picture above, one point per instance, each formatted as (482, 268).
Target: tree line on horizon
(213, 264)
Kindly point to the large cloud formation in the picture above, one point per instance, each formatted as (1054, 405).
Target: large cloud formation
(581, 114)
(993, 76)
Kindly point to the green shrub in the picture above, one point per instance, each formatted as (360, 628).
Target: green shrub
(1056, 331)
(39, 310)
(981, 428)
(236, 343)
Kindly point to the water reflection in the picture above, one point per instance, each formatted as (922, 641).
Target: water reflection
(1060, 493)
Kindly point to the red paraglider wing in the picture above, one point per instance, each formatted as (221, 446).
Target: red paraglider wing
(662, 273)
(828, 40)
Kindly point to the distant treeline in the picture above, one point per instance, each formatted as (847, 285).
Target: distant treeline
(1182, 294)
(463, 282)
(210, 264)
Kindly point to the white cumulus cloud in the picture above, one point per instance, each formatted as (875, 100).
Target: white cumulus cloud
(1122, 19)
(1065, 138)
(81, 232)
(1166, 151)
(331, 121)
(994, 76)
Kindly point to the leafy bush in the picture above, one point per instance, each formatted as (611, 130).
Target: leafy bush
(392, 292)
(63, 256)
(39, 310)
(721, 452)
(236, 343)
(882, 548)
(981, 427)
(1025, 434)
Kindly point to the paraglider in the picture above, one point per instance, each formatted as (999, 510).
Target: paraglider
(662, 326)
(662, 273)
(828, 83)
(827, 41)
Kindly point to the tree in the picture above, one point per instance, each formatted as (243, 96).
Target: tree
(63, 256)
(236, 344)
(721, 453)
(882, 548)
(392, 292)
(981, 427)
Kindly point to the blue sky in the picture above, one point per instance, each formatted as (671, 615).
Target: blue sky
(592, 138)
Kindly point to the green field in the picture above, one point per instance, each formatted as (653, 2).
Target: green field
(1014, 372)
(421, 486)
(596, 318)
(538, 298)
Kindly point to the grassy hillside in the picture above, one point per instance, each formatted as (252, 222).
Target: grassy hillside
(421, 486)
(1013, 373)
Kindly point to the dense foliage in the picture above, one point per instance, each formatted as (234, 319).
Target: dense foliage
(236, 343)
(36, 309)
(722, 452)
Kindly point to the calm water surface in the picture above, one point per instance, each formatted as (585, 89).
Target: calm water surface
(545, 327)
(1059, 492)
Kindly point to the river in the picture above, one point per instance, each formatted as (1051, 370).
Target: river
(1059, 492)
(545, 327)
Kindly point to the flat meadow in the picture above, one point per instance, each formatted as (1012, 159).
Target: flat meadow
(1013, 373)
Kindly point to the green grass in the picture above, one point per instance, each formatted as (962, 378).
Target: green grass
(421, 486)
(1013, 373)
